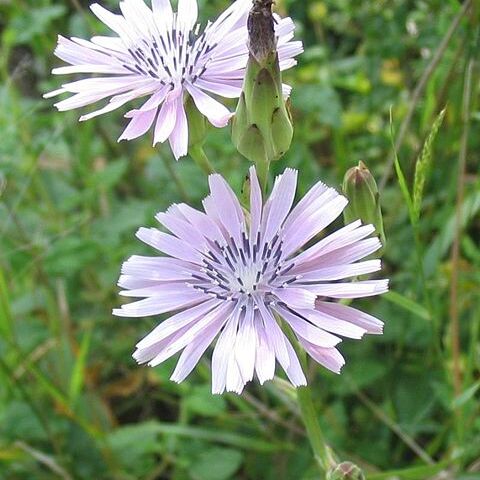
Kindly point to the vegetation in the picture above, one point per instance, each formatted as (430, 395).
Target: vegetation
(370, 86)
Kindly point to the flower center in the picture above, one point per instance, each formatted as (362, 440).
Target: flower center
(172, 55)
(236, 270)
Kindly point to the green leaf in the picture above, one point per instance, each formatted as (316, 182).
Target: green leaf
(202, 402)
(407, 304)
(216, 436)
(134, 447)
(321, 101)
(423, 165)
(109, 176)
(467, 395)
(34, 21)
(414, 473)
(216, 464)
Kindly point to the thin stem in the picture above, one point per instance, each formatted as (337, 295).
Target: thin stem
(455, 254)
(321, 451)
(263, 168)
(200, 158)
(417, 93)
(176, 179)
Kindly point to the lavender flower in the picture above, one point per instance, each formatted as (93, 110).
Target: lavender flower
(163, 55)
(233, 277)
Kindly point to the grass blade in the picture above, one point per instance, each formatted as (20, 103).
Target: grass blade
(422, 167)
(78, 371)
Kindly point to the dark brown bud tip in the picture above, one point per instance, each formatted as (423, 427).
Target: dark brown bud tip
(261, 31)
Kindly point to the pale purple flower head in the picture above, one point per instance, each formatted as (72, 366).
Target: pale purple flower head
(236, 278)
(164, 55)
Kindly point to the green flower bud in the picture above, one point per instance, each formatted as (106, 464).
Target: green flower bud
(346, 471)
(360, 188)
(262, 129)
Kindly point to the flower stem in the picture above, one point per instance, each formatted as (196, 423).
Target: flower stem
(321, 451)
(263, 168)
(200, 158)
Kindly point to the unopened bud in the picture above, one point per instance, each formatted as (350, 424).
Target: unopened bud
(346, 471)
(360, 188)
(262, 129)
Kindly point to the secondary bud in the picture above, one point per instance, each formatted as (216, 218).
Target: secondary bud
(262, 129)
(346, 471)
(360, 188)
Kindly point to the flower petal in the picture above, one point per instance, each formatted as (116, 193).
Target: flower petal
(351, 315)
(217, 114)
(179, 136)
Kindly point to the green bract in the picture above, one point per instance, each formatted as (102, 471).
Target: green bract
(262, 128)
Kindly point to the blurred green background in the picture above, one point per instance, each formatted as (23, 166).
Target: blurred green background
(73, 403)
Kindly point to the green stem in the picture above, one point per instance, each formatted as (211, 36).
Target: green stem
(321, 451)
(200, 158)
(263, 168)
(176, 179)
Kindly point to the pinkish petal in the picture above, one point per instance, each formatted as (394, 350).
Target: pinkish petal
(176, 322)
(217, 114)
(280, 202)
(166, 121)
(169, 244)
(328, 357)
(140, 123)
(351, 315)
(215, 317)
(179, 136)
(305, 329)
(296, 297)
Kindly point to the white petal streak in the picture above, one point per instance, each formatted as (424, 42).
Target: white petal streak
(179, 136)
(222, 352)
(187, 13)
(255, 205)
(337, 272)
(265, 354)
(245, 345)
(366, 288)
